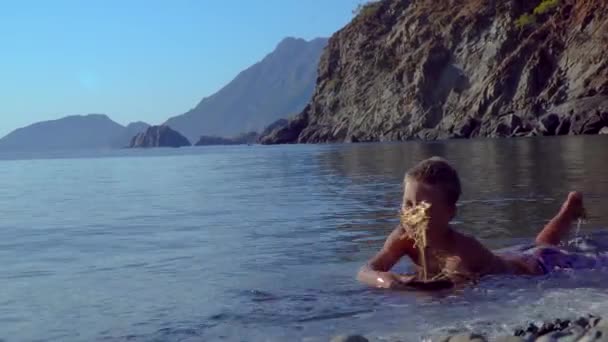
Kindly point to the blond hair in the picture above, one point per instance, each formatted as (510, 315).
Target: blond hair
(437, 172)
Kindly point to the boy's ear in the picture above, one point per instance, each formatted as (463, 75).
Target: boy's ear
(454, 212)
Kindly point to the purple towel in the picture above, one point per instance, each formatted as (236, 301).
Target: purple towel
(552, 258)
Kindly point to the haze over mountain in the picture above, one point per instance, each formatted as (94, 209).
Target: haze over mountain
(92, 131)
(278, 86)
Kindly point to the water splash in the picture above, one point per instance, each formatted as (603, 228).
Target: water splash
(578, 227)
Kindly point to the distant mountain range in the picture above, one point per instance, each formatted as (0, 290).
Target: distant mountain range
(278, 86)
(92, 131)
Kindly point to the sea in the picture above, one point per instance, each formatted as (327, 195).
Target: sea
(263, 243)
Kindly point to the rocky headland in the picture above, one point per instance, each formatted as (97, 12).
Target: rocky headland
(426, 69)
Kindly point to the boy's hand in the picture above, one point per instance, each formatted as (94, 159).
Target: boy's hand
(406, 278)
(400, 282)
(409, 282)
(392, 281)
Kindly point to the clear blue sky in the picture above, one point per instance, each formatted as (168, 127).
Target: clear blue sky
(139, 59)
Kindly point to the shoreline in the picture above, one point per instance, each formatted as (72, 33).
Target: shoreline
(582, 329)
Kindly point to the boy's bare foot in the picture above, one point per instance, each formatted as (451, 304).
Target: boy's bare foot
(573, 206)
(558, 227)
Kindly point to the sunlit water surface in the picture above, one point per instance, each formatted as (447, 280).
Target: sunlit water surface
(257, 243)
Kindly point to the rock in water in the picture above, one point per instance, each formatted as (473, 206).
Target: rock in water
(433, 69)
(549, 123)
(508, 126)
(159, 136)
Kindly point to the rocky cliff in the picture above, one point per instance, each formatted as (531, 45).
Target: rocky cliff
(159, 136)
(426, 69)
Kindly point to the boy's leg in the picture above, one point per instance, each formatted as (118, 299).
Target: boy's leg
(559, 225)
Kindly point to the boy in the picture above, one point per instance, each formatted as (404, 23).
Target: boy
(453, 254)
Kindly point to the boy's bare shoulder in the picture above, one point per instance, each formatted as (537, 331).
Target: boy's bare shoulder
(474, 254)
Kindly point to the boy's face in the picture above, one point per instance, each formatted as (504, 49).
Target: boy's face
(440, 213)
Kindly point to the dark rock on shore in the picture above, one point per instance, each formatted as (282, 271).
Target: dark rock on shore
(461, 69)
(243, 139)
(508, 126)
(274, 126)
(159, 136)
(286, 132)
(549, 123)
(211, 140)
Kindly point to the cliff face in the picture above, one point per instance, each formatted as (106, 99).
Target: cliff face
(405, 69)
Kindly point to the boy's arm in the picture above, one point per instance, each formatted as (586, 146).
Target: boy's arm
(375, 272)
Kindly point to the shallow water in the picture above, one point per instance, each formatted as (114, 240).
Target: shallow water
(258, 243)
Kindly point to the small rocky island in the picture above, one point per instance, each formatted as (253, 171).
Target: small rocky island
(159, 136)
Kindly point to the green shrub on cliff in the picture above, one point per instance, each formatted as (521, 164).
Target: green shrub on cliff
(544, 7)
(366, 9)
(525, 20)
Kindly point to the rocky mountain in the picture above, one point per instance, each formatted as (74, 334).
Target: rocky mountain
(280, 84)
(426, 69)
(159, 136)
(92, 131)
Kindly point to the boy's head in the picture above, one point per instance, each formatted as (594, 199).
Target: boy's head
(434, 181)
